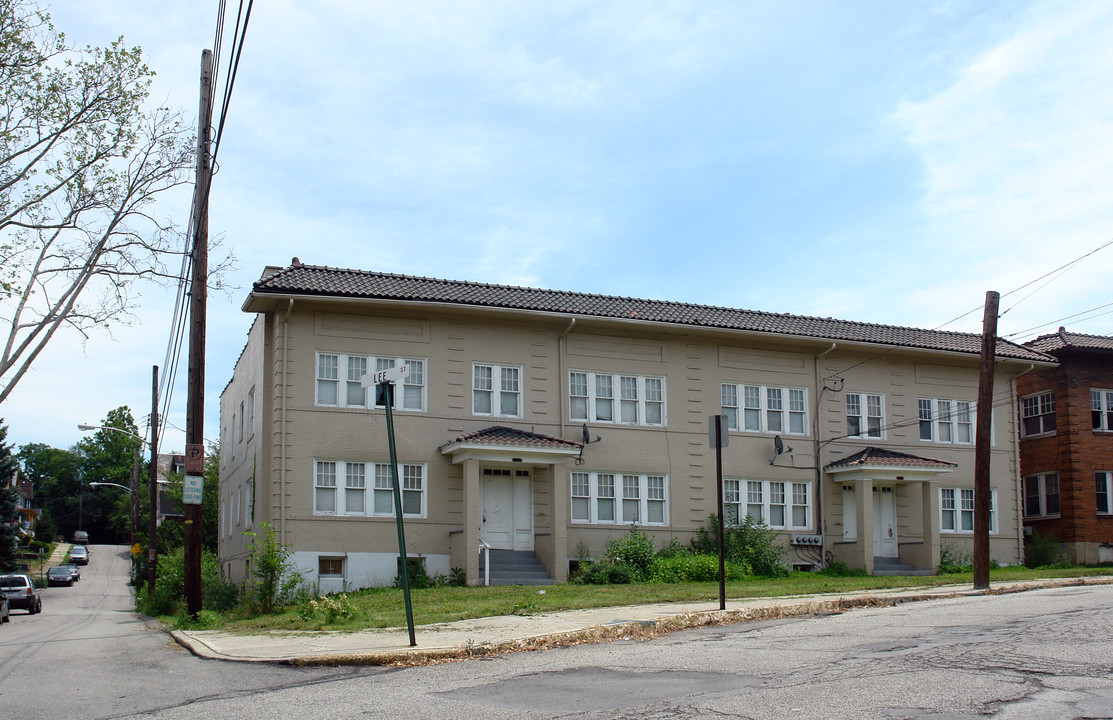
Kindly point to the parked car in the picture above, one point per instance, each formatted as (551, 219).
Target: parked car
(74, 572)
(80, 537)
(5, 610)
(21, 593)
(59, 575)
(79, 555)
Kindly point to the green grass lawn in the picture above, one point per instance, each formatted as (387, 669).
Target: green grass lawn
(384, 607)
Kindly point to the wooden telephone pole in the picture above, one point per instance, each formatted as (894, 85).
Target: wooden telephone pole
(982, 433)
(195, 400)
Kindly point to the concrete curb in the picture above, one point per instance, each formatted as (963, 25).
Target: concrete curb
(642, 629)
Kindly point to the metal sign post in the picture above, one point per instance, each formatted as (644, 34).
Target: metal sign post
(384, 387)
(718, 438)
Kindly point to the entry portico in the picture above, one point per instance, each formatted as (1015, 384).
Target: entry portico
(874, 483)
(514, 496)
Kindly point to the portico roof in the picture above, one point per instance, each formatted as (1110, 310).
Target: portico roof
(510, 444)
(887, 461)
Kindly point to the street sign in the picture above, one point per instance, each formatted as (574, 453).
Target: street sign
(193, 489)
(393, 374)
(717, 434)
(195, 458)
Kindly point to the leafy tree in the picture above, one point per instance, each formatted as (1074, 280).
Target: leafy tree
(9, 506)
(55, 476)
(108, 455)
(83, 158)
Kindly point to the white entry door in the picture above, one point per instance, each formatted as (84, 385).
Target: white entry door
(506, 509)
(884, 522)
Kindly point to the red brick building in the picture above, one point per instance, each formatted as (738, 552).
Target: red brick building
(1066, 445)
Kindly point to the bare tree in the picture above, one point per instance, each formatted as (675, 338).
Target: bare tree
(82, 160)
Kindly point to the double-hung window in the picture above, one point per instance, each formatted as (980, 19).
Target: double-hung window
(956, 510)
(1041, 495)
(340, 381)
(606, 398)
(773, 410)
(1037, 414)
(496, 390)
(865, 415)
(947, 421)
(1103, 485)
(619, 498)
(782, 505)
(1101, 409)
(351, 496)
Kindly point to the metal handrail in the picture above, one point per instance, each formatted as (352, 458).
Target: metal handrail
(486, 550)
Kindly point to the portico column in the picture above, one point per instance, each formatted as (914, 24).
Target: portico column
(863, 496)
(471, 522)
(561, 490)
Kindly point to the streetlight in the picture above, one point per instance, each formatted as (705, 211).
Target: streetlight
(122, 487)
(152, 542)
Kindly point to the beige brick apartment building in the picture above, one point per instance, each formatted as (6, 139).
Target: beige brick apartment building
(876, 423)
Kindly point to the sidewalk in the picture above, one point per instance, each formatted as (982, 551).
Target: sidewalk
(511, 633)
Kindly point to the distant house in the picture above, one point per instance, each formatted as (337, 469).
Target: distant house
(28, 515)
(1066, 447)
(548, 423)
(169, 464)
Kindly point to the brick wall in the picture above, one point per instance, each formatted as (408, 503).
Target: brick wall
(1075, 451)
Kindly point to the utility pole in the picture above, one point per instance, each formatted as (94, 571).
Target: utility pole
(195, 397)
(981, 442)
(152, 478)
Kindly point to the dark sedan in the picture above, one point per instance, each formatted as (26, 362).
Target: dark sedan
(59, 575)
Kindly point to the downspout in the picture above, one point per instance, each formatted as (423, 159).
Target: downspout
(282, 430)
(562, 349)
(1016, 458)
(819, 465)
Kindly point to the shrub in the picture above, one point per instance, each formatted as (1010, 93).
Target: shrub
(672, 548)
(1042, 549)
(694, 568)
(952, 560)
(604, 573)
(751, 544)
(419, 578)
(634, 550)
(841, 569)
(274, 580)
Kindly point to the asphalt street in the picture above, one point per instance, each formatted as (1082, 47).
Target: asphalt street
(1038, 654)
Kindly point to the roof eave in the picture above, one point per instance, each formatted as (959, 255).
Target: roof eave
(257, 302)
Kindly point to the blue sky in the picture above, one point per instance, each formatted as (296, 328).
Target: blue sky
(875, 161)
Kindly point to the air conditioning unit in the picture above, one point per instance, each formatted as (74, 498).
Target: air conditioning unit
(810, 540)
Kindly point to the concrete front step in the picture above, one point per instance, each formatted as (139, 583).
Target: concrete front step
(516, 567)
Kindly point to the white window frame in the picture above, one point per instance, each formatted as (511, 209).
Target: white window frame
(414, 477)
(863, 402)
(590, 394)
(1101, 409)
(633, 498)
(1103, 486)
(251, 413)
(1041, 482)
(752, 408)
(410, 397)
(1038, 407)
(766, 501)
(956, 509)
(497, 391)
(943, 420)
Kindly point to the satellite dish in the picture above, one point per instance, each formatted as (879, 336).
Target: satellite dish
(779, 448)
(585, 442)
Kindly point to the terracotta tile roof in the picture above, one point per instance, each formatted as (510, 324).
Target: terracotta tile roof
(1063, 340)
(500, 436)
(313, 280)
(877, 457)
